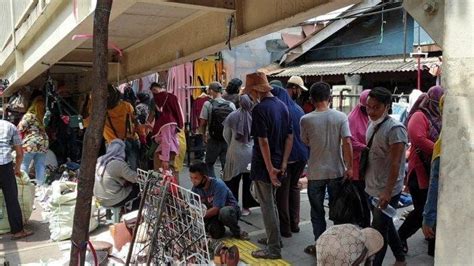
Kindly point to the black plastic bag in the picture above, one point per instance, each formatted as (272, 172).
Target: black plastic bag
(349, 205)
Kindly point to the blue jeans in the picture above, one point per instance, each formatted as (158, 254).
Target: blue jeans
(39, 159)
(431, 205)
(316, 194)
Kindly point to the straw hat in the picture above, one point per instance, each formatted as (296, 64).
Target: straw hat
(258, 82)
(346, 244)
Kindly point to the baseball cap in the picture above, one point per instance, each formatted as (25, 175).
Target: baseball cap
(215, 86)
(298, 81)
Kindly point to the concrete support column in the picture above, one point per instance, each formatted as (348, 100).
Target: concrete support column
(19, 62)
(455, 226)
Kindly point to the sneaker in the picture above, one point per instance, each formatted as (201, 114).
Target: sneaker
(246, 212)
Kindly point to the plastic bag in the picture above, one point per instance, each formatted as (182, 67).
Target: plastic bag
(19, 102)
(26, 197)
(62, 205)
(348, 206)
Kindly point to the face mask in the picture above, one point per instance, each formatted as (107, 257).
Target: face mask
(202, 184)
(380, 119)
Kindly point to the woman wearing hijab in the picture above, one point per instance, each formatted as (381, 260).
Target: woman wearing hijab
(35, 139)
(424, 127)
(431, 207)
(168, 121)
(358, 123)
(288, 195)
(114, 178)
(239, 152)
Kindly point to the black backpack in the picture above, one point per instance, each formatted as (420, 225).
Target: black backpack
(219, 112)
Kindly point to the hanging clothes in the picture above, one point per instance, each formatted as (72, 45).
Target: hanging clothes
(136, 85)
(204, 73)
(196, 110)
(179, 77)
(147, 81)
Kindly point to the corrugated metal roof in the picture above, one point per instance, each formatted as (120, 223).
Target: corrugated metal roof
(355, 66)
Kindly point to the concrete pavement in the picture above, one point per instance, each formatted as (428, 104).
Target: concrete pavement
(39, 248)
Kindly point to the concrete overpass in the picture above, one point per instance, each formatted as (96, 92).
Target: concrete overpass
(151, 34)
(156, 34)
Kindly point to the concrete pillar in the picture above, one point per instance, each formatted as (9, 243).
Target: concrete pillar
(455, 227)
(19, 62)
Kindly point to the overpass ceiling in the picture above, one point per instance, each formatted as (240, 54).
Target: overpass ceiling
(157, 34)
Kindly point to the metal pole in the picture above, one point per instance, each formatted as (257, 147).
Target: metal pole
(160, 210)
(404, 35)
(137, 223)
(419, 72)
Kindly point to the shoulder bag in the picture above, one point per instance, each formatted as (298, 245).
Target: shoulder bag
(364, 156)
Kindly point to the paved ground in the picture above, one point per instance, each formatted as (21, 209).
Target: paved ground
(39, 248)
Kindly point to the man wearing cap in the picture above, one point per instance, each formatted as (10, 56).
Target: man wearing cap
(219, 108)
(295, 86)
(346, 244)
(273, 135)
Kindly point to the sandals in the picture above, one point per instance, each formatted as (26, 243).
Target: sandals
(263, 241)
(243, 236)
(265, 254)
(311, 250)
(22, 234)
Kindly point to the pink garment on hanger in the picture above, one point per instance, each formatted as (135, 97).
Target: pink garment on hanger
(178, 78)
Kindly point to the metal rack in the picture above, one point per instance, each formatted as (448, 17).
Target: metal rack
(170, 224)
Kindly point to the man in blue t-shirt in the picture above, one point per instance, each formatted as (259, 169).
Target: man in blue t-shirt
(222, 208)
(272, 132)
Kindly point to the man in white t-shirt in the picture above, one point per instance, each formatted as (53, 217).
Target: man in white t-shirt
(326, 132)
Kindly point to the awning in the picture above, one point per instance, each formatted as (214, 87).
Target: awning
(356, 66)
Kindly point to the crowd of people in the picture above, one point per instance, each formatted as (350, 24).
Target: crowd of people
(265, 136)
(271, 132)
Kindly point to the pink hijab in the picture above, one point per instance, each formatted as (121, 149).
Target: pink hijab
(359, 120)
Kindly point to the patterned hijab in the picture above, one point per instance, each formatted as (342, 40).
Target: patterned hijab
(428, 103)
(115, 151)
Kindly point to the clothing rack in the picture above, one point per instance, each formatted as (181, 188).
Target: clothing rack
(188, 119)
(188, 101)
